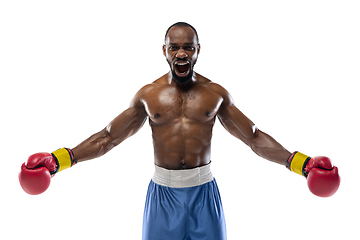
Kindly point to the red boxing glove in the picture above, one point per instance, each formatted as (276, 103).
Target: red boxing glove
(36, 173)
(35, 176)
(323, 179)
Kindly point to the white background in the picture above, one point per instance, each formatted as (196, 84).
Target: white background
(67, 68)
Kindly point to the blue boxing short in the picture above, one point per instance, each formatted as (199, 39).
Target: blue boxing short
(183, 205)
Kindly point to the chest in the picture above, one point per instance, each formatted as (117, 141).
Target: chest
(167, 104)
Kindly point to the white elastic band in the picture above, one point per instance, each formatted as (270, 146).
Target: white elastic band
(182, 178)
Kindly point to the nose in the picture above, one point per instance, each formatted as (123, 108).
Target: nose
(181, 53)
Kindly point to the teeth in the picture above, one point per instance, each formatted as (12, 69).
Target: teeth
(182, 64)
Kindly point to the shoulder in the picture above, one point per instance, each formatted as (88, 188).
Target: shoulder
(147, 90)
(215, 87)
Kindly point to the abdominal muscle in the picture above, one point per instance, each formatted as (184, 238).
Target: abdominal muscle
(182, 144)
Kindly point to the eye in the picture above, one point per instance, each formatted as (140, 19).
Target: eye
(172, 48)
(190, 48)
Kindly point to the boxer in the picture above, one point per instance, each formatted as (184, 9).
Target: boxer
(183, 200)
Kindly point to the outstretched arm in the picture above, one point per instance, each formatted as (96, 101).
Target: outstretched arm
(236, 123)
(322, 177)
(122, 127)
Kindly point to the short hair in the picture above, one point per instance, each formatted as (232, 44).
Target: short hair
(182, 24)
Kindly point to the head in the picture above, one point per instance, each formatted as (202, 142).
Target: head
(181, 50)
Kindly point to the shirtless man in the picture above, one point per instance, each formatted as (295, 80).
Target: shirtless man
(183, 201)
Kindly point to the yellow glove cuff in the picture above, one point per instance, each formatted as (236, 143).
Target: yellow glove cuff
(297, 162)
(64, 158)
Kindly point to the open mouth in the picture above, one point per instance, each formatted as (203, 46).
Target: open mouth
(182, 68)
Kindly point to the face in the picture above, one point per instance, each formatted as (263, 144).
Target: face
(181, 50)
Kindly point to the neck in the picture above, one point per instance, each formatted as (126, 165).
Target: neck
(172, 81)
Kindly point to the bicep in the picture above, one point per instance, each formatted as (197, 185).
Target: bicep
(126, 124)
(232, 119)
(236, 123)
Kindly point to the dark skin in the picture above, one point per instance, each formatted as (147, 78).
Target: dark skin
(182, 106)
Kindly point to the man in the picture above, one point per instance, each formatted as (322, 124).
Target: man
(183, 200)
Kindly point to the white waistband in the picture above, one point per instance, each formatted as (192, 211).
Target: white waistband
(182, 178)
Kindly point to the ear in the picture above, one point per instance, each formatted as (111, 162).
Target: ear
(198, 48)
(164, 50)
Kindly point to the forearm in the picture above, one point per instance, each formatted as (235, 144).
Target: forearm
(267, 147)
(93, 147)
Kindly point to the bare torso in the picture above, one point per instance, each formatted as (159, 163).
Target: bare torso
(181, 106)
(181, 120)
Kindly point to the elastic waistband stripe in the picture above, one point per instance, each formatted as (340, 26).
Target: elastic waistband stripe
(182, 178)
